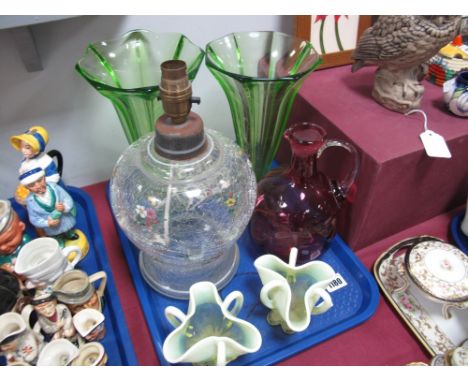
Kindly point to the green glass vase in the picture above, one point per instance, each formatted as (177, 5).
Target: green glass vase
(127, 71)
(261, 73)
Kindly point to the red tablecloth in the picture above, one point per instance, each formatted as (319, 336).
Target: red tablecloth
(382, 340)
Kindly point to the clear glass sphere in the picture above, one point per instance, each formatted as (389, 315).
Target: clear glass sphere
(185, 216)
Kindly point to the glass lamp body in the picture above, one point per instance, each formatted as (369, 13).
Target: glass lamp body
(185, 216)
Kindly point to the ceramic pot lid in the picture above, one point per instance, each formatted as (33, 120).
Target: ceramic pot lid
(439, 269)
(460, 356)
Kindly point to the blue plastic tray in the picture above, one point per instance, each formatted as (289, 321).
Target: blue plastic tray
(460, 238)
(117, 339)
(353, 304)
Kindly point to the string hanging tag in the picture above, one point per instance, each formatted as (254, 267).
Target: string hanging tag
(434, 144)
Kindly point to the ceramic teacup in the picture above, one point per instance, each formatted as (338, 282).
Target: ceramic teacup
(89, 323)
(75, 289)
(210, 333)
(294, 293)
(42, 261)
(60, 352)
(91, 354)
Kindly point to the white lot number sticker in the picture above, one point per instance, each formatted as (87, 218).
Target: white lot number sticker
(337, 283)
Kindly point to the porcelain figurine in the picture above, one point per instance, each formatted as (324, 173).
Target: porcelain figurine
(32, 144)
(50, 207)
(53, 319)
(18, 342)
(210, 333)
(293, 292)
(400, 46)
(12, 236)
(456, 94)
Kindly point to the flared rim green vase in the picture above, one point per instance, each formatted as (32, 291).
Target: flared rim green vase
(260, 73)
(127, 71)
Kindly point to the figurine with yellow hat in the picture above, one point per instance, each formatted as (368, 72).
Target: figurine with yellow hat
(32, 144)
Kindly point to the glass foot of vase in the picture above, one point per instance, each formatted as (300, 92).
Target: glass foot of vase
(172, 281)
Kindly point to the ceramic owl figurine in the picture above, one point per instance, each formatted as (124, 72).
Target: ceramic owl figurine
(400, 47)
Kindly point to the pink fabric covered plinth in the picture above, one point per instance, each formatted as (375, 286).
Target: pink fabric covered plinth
(398, 184)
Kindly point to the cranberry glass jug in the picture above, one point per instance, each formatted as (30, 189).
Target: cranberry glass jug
(297, 207)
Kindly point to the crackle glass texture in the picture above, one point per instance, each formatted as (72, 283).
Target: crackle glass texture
(184, 216)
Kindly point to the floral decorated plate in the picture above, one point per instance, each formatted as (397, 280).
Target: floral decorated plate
(422, 313)
(439, 269)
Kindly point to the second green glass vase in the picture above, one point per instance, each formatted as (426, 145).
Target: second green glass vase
(261, 73)
(127, 71)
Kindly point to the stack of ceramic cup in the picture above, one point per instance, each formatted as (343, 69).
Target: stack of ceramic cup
(47, 271)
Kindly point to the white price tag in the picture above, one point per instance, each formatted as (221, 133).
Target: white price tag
(435, 145)
(337, 283)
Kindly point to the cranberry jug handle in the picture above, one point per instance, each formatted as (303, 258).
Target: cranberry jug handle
(341, 187)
